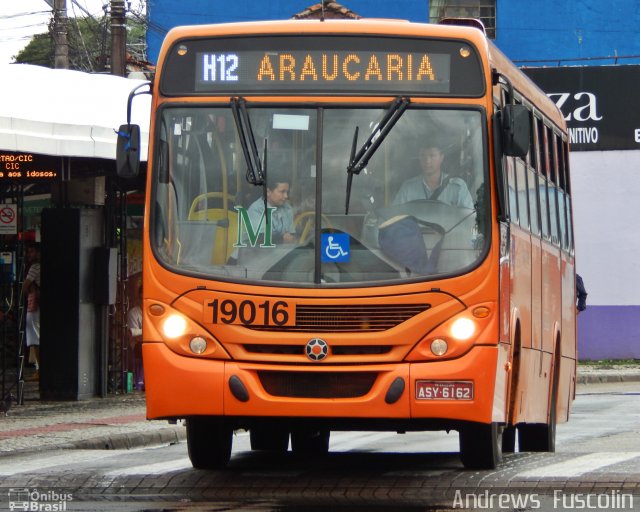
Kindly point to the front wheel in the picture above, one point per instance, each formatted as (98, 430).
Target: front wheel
(481, 446)
(209, 442)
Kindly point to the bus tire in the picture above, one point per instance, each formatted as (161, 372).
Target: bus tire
(306, 441)
(269, 438)
(481, 446)
(509, 440)
(540, 437)
(209, 442)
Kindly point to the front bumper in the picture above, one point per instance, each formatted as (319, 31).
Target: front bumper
(178, 387)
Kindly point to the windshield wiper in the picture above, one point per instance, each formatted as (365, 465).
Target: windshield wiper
(256, 168)
(358, 161)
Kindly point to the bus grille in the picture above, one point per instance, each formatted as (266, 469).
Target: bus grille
(336, 350)
(317, 384)
(313, 318)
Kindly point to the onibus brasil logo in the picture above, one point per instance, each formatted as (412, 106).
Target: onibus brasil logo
(40, 501)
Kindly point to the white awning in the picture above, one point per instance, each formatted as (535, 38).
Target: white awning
(67, 113)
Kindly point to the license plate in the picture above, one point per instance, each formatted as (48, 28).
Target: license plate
(444, 390)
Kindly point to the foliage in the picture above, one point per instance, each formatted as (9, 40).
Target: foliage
(89, 44)
(39, 51)
(609, 363)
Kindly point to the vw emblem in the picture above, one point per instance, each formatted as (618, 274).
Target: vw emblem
(316, 349)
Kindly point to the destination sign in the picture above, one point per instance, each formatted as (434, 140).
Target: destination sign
(26, 166)
(322, 65)
(301, 69)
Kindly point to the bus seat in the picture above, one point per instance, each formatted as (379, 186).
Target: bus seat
(209, 227)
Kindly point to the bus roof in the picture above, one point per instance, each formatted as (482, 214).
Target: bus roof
(490, 54)
(314, 26)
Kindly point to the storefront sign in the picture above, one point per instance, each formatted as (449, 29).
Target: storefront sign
(599, 104)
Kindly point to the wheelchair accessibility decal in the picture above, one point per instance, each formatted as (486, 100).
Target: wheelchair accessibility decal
(335, 247)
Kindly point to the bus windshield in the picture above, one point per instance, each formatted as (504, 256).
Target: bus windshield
(416, 210)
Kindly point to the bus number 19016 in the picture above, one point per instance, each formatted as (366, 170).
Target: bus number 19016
(246, 312)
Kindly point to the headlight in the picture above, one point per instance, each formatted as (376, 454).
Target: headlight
(463, 328)
(439, 347)
(198, 345)
(174, 326)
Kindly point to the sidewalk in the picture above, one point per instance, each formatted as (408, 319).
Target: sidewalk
(111, 423)
(118, 421)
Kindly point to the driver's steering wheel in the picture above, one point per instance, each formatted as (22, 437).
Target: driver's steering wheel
(306, 220)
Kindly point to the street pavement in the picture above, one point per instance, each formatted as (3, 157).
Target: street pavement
(119, 422)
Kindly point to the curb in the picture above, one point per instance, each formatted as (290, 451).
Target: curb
(123, 441)
(129, 441)
(601, 377)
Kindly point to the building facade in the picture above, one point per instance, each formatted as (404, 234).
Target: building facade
(544, 32)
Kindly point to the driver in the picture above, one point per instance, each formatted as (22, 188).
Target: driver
(282, 228)
(432, 183)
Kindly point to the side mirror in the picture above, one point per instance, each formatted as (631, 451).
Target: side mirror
(128, 151)
(516, 130)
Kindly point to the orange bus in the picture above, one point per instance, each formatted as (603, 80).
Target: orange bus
(354, 225)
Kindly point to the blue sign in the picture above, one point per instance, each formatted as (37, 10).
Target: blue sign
(335, 247)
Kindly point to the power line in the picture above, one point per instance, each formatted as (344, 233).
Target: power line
(615, 58)
(20, 15)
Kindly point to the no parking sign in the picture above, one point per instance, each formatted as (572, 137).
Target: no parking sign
(8, 219)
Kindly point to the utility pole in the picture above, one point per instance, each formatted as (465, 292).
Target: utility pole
(60, 21)
(118, 38)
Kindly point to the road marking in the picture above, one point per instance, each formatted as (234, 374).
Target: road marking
(156, 468)
(348, 441)
(579, 465)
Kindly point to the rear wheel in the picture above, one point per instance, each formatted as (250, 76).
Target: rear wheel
(208, 442)
(481, 446)
(539, 437)
(509, 440)
(309, 441)
(269, 438)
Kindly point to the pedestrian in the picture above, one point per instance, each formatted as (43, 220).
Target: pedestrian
(31, 290)
(581, 293)
(134, 321)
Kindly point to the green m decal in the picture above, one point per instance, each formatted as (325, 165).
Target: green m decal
(247, 232)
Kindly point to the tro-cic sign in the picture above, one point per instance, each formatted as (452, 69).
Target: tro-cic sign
(26, 166)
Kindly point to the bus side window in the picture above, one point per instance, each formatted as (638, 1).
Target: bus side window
(512, 189)
(533, 162)
(533, 202)
(544, 209)
(542, 171)
(563, 191)
(553, 212)
(523, 203)
(569, 225)
(553, 187)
